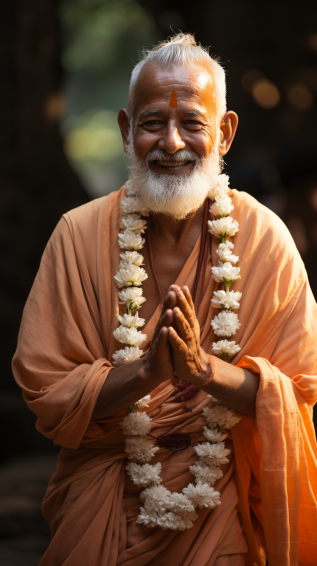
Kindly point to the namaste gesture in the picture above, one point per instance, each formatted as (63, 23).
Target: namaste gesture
(175, 346)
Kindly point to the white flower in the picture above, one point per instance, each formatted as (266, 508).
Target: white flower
(175, 522)
(212, 454)
(224, 252)
(130, 205)
(169, 520)
(146, 519)
(140, 449)
(202, 495)
(142, 403)
(180, 505)
(221, 187)
(126, 355)
(136, 424)
(223, 228)
(133, 222)
(226, 323)
(132, 298)
(129, 336)
(131, 257)
(225, 273)
(213, 435)
(222, 206)
(226, 300)
(129, 276)
(225, 347)
(156, 499)
(145, 475)
(131, 321)
(213, 399)
(205, 474)
(129, 240)
(221, 415)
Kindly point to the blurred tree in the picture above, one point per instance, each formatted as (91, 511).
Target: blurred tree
(36, 183)
(101, 42)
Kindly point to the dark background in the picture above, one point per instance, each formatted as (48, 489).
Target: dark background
(273, 158)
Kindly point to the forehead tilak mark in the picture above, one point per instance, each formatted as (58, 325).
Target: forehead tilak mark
(173, 101)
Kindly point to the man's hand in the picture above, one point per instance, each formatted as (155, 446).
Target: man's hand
(158, 364)
(190, 361)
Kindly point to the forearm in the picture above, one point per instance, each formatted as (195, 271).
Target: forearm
(233, 386)
(124, 386)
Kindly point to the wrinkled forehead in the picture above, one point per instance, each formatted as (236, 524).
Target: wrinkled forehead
(193, 85)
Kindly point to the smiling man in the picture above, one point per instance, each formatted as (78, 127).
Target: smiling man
(179, 385)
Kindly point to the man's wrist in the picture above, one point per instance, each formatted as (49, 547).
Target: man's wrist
(146, 373)
(207, 368)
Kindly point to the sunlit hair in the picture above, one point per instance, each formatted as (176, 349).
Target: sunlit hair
(179, 51)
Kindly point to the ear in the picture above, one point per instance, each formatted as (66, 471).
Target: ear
(124, 125)
(228, 127)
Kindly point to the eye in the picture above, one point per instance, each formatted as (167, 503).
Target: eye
(152, 125)
(192, 123)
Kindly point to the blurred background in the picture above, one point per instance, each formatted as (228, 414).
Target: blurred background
(65, 68)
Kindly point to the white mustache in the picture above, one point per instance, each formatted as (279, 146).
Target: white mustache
(180, 155)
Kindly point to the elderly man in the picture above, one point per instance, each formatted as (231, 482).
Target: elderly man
(197, 449)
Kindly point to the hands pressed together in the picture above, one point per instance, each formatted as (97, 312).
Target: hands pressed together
(175, 346)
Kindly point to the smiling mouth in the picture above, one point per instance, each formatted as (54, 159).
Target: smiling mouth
(171, 163)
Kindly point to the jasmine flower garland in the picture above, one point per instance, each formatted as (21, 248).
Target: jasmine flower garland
(161, 508)
(226, 323)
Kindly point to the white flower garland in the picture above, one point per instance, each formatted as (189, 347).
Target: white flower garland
(162, 508)
(226, 323)
(130, 275)
(176, 511)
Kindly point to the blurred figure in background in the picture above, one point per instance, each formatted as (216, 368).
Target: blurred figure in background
(106, 401)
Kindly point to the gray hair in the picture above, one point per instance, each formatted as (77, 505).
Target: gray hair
(179, 51)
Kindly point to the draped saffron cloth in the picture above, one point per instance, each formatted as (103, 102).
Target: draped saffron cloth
(64, 354)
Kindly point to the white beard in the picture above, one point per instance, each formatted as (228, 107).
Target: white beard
(175, 196)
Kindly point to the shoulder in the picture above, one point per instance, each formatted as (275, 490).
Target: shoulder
(266, 248)
(80, 232)
(255, 214)
(86, 218)
(262, 226)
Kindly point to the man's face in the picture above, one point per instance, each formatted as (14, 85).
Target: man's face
(175, 109)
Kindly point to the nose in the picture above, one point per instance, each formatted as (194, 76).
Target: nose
(171, 140)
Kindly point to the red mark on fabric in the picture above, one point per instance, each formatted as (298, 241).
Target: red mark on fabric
(173, 101)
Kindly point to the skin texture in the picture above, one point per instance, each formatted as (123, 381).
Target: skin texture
(192, 123)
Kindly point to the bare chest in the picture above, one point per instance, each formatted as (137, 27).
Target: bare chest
(162, 266)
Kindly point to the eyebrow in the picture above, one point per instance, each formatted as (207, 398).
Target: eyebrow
(159, 111)
(194, 113)
(150, 112)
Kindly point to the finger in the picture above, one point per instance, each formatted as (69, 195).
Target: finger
(188, 297)
(184, 306)
(177, 344)
(182, 326)
(169, 301)
(174, 288)
(166, 319)
(162, 338)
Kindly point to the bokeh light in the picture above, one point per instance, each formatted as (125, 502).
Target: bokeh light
(97, 138)
(300, 97)
(265, 93)
(250, 77)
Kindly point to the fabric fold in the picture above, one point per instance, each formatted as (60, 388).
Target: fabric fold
(64, 355)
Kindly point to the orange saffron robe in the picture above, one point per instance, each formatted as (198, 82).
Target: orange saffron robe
(64, 355)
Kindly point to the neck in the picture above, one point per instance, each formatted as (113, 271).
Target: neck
(173, 230)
